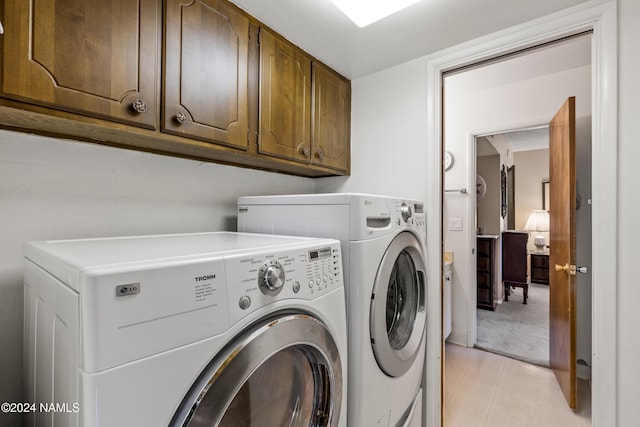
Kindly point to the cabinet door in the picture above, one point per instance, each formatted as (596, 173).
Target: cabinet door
(206, 69)
(331, 119)
(94, 57)
(285, 99)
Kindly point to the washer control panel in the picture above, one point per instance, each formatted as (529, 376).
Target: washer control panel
(256, 280)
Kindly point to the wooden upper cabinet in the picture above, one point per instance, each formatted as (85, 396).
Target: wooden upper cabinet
(305, 108)
(206, 72)
(94, 57)
(191, 78)
(285, 99)
(331, 119)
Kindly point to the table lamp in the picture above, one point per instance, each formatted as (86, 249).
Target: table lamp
(538, 221)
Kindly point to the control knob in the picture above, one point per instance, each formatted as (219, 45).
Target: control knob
(405, 212)
(271, 277)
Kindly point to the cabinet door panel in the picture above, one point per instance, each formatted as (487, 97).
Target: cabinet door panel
(206, 69)
(331, 119)
(95, 57)
(285, 99)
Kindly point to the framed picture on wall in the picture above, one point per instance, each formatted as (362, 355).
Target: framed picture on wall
(545, 194)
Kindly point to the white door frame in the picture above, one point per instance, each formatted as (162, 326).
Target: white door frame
(601, 18)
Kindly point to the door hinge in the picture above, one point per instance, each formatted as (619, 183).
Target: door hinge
(257, 140)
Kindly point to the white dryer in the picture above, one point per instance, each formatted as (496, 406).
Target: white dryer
(383, 251)
(225, 329)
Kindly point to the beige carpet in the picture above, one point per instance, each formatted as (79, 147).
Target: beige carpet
(517, 330)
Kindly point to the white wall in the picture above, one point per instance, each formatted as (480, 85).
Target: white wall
(57, 189)
(628, 380)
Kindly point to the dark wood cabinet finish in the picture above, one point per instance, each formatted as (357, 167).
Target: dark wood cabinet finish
(96, 58)
(540, 268)
(285, 99)
(485, 272)
(185, 81)
(514, 263)
(305, 108)
(206, 69)
(331, 124)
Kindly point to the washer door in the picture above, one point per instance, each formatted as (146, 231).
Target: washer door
(283, 372)
(398, 314)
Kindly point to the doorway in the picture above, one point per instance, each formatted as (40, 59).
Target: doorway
(602, 20)
(515, 328)
(516, 92)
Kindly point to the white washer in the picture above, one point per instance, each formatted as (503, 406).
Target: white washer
(383, 251)
(222, 329)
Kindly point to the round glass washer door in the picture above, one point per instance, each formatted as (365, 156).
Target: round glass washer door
(398, 314)
(283, 372)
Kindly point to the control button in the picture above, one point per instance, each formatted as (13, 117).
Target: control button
(325, 278)
(318, 281)
(311, 282)
(244, 302)
(296, 287)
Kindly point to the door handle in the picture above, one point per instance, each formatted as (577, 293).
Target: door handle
(571, 269)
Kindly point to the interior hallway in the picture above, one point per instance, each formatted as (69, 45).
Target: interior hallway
(485, 389)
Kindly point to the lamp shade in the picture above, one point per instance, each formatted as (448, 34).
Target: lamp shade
(538, 221)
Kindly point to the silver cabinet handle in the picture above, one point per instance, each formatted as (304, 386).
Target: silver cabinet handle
(304, 150)
(181, 118)
(320, 155)
(139, 106)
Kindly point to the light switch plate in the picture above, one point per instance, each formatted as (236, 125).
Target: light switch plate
(455, 224)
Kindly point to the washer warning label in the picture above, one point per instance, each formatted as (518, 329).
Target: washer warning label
(204, 290)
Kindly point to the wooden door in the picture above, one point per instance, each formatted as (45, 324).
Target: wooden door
(331, 119)
(206, 72)
(94, 57)
(285, 99)
(562, 250)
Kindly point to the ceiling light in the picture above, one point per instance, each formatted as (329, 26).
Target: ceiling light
(365, 12)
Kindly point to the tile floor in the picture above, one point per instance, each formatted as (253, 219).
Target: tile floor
(485, 389)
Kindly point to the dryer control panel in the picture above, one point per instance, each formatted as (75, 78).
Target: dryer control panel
(257, 280)
(409, 213)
